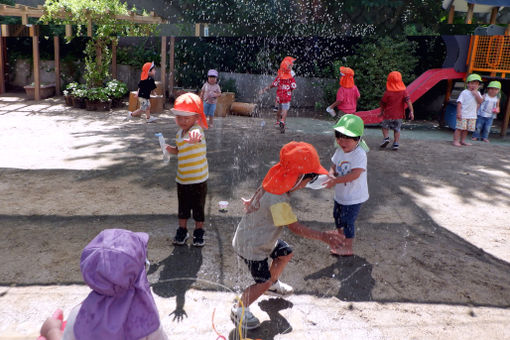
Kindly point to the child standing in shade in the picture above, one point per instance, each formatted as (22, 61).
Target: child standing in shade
(347, 95)
(285, 84)
(209, 94)
(267, 213)
(192, 167)
(393, 108)
(145, 86)
(487, 112)
(467, 106)
(349, 177)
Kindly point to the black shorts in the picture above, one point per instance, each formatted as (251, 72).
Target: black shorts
(191, 197)
(260, 269)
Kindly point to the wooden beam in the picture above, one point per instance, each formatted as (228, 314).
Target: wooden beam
(451, 14)
(506, 119)
(171, 70)
(197, 30)
(89, 27)
(35, 54)
(469, 14)
(114, 58)
(2, 65)
(24, 19)
(56, 45)
(163, 65)
(69, 30)
(494, 15)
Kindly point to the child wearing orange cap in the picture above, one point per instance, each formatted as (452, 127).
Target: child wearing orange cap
(258, 234)
(393, 108)
(347, 95)
(285, 84)
(145, 86)
(192, 167)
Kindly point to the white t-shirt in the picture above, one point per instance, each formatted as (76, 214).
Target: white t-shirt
(486, 107)
(259, 231)
(469, 104)
(356, 191)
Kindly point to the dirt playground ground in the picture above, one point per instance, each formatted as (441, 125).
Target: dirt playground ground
(432, 245)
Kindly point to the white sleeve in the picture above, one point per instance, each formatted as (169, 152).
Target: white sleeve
(461, 97)
(334, 158)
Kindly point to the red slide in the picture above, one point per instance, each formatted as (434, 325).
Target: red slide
(416, 89)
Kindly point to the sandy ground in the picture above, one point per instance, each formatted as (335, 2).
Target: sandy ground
(432, 245)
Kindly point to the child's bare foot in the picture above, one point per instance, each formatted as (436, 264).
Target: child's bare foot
(486, 140)
(465, 143)
(342, 251)
(474, 138)
(455, 143)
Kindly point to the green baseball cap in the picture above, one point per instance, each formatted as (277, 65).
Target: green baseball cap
(350, 125)
(495, 84)
(474, 77)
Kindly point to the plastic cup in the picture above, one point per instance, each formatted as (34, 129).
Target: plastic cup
(223, 206)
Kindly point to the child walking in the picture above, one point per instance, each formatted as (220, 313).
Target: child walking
(348, 174)
(467, 106)
(285, 84)
(145, 86)
(121, 305)
(258, 234)
(393, 108)
(192, 167)
(487, 112)
(209, 94)
(347, 95)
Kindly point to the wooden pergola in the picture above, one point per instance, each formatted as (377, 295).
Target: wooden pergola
(26, 12)
(475, 6)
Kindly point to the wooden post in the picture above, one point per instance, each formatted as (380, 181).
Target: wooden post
(494, 14)
(2, 65)
(163, 65)
(56, 44)
(35, 54)
(506, 119)
(114, 58)
(507, 31)
(171, 73)
(469, 14)
(89, 27)
(451, 14)
(69, 30)
(197, 30)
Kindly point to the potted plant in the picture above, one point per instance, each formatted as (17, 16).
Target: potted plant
(97, 99)
(116, 90)
(68, 93)
(45, 90)
(79, 95)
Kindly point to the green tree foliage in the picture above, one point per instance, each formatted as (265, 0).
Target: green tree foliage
(373, 59)
(106, 30)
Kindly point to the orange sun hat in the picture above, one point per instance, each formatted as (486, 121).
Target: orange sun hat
(146, 68)
(394, 82)
(296, 158)
(189, 104)
(347, 79)
(284, 72)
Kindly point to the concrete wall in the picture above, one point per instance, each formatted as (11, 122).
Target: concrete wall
(308, 91)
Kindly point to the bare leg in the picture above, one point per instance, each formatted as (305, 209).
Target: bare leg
(148, 112)
(396, 136)
(199, 225)
(284, 115)
(211, 120)
(278, 114)
(463, 135)
(136, 113)
(183, 223)
(385, 133)
(253, 292)
(456, 138)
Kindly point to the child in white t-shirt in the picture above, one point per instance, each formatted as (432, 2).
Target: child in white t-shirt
(487, 112)
(349, 177)
(467, 105)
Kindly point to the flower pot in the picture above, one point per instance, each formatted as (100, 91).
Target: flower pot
(242, 109)
(45, 91)
(79, 103)
(96, 105)
(104, 106)
(90, 105)
(223, 104)
(69, 100)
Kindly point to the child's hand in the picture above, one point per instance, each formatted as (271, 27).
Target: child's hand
(411, 115)
(194, 137)
(330, 182)
(333, 238)
(495, 110)
(136, 94)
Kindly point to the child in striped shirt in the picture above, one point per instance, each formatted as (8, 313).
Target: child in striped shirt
(192, 168)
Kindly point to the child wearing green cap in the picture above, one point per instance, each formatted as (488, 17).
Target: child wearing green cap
(348, 174)
(487, 112)
(467, 105)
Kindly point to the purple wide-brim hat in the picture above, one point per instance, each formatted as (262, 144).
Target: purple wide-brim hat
(120, 305)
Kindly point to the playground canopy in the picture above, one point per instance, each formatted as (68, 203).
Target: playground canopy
(474, 6)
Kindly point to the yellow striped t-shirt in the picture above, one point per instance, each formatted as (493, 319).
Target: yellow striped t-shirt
(191, 158)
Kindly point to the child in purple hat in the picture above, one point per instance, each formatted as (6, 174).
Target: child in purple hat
(120, 306)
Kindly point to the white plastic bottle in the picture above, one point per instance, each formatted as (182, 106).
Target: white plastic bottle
(162, 143)
(318, 183)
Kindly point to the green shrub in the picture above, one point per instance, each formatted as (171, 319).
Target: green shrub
(116, 89)
(372, 61)
(228, 85)
(97, 94)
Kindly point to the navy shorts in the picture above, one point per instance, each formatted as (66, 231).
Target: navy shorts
(260, 269)
(345, 216)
